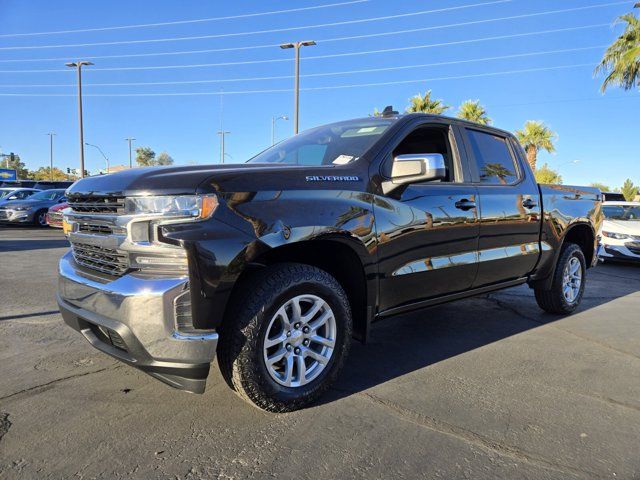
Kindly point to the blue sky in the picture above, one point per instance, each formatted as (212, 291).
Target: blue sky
(549, 60)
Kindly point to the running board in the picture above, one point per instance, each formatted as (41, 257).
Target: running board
(449, 298)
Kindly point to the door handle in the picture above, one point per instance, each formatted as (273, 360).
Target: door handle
(528, 203)
(465, 204)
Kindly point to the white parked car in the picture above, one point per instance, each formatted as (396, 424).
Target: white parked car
(620, 234)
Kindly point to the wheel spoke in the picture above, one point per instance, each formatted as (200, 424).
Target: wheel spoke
(288, 370)
(316, 356)
(302, 369)
(575, 266)
(270, 342)
(276, 357)
(295, 309)
(321, 320)
(326, 342)
(315, 308)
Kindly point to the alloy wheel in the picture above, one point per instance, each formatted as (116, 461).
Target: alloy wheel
(300, 340)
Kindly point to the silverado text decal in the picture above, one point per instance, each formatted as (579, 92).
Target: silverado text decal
(332, 178)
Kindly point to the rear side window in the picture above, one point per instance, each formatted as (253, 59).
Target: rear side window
(495, 163)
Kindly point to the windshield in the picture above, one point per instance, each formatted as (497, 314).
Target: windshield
(334, 144)
(46, 195)
(5, 192)
(622, 212)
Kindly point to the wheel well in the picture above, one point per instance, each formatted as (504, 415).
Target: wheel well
(335, 258)
(582, 235)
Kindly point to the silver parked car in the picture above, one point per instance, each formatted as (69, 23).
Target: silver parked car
(8, 194)
(31, 210)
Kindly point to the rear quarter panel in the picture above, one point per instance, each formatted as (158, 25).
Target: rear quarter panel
(565, 207)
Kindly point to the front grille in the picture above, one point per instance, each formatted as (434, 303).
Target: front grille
(104, 260)
(92, 228)
(96, 204)
(4, 214)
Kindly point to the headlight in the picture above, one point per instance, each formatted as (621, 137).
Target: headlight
(617, 236)
(20, 209)
(197, 207)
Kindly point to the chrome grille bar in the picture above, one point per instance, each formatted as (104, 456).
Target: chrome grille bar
(104, 260)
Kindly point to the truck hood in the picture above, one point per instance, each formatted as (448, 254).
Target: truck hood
(630, 227)
(187, 180)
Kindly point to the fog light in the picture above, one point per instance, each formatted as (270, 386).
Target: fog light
(164, 261)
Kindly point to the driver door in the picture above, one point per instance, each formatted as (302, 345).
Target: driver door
(427, 232)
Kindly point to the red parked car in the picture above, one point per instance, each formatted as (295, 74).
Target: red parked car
(54, 215)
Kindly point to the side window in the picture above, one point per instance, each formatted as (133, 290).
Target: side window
(426, 140)
(496, 165)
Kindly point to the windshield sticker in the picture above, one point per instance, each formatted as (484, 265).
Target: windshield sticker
(342, 159)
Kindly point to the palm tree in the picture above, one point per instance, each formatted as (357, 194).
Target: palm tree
(536, 136)
(621, 61)
(425, 104)
(474, 112)
(496, 170)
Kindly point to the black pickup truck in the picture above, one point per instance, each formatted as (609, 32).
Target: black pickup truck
(276, 264)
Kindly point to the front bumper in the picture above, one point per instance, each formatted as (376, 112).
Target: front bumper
(620, 252)
(133, 318)
(16, 216)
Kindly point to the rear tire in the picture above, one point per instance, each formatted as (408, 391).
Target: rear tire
(568, 284)
(286, 337)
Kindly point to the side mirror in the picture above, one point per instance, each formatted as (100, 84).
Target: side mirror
(418, 167)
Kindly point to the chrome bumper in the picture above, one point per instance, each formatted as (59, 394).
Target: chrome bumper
(132, 318)
(617, 252)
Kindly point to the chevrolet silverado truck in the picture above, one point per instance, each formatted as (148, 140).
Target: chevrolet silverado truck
(274, 265)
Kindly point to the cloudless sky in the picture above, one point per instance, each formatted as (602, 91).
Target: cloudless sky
(549, 76)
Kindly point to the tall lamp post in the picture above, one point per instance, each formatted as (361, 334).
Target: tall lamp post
(273, 127)
(130, 139)
(101, 152)
(51, 135)
(222, 133)
(296, 93)
(78, 66)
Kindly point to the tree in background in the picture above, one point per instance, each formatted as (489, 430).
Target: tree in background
(601, 186)
(474, 112)
(43, 173)
(425, 104)
(496, 170)
(164, 158)
(621, 61)
(547, 175)
(14, 163)
(536, 136)
(376, 113)
(629, 190)
(145, 157)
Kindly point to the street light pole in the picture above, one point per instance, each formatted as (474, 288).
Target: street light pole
(78, 65)
(51, 135)
(273, 127)
(130, 139)
(100, 150)
(296, 89)
(222, 133)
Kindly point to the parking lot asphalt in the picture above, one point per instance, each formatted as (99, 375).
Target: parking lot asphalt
(488, 387)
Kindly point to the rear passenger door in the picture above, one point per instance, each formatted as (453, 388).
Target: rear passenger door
(510, 208)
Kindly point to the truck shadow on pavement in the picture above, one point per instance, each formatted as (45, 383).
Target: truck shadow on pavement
(404, 344)
(23, 245)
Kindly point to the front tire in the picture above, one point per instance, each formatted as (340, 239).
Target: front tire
(40, 218)
(286, 337)
(567, 287)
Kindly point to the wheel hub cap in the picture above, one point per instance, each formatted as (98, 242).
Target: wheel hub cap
(300, 340)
